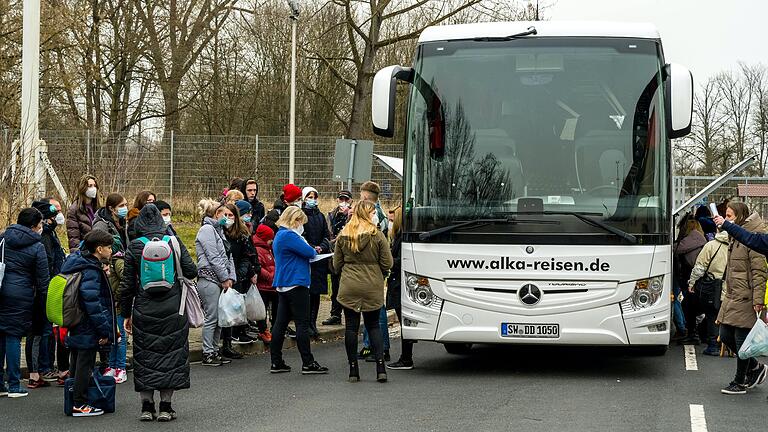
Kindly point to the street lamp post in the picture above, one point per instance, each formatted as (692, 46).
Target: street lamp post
(292, 139)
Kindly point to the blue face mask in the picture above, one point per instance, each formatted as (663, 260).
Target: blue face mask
(311, 203)
(223, 221)
(247, 218)
(122, 212)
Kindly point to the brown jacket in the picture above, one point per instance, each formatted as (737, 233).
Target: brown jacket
(78, 225)
(362, 273)
(745, 280)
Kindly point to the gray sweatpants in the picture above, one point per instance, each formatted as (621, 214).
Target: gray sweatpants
(209, 297)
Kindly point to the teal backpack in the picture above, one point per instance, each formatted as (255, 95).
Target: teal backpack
(157, 265)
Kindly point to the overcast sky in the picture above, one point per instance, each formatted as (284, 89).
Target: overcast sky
(706, 36)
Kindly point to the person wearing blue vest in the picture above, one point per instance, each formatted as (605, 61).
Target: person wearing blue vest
(292, 280)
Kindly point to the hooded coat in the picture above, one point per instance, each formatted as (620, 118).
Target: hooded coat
(266, 263)
(26, 276)
(317, 234)
(96, 302)
(53, 249)
(714, 255)
(745, 279)
(362, 273)
(160, 334)
(214, 252)
(106, 222)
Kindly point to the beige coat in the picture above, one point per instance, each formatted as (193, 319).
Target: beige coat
(362, 273)
(715, 255)
(745, 278)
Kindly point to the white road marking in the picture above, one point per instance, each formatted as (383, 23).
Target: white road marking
(698, 420)
(690, 358)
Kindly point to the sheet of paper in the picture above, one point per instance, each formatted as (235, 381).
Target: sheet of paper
(320, 257)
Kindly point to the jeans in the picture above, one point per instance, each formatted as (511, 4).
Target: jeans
(293, 303)
(10, 360)
(352, 321)
(383, 325)
(118, 352)
(209, 297)
(677, 309)
(83, 361)
(733, 338)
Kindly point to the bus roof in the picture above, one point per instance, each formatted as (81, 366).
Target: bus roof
(544, 29)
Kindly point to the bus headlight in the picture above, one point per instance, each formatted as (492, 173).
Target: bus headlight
(419, 291)
(647, 292)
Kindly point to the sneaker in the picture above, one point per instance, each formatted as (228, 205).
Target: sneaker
(243, 339)
(121, 376)
(401, 365)
(712, 351)
(221, 359)
(364, 353)
(61, 380)
(166, 412)
(279, 368)
(147, 412)
(265, 336)
(211, 360)
(314, 368)
(17, 393)
(756, 376)
(333, 320)
(109, 372)
(291, 333)
(734, 388)
(86, 411)
(51, 376)
(32, 384)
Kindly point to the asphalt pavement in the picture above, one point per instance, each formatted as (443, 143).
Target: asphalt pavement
(492, 389)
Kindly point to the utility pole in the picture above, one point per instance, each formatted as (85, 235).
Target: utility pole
(30, 98)
(292, 139)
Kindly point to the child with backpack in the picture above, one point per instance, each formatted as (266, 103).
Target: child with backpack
(97, 326)
(150, 299)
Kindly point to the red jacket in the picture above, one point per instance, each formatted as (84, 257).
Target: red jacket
(267, 261)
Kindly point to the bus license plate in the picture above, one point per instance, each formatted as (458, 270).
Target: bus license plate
(530, 330)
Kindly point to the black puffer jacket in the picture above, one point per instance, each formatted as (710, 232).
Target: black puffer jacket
(246, 263)
(317, 234)
(160, 346)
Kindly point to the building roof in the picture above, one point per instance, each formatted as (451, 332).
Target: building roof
(544, 29)
(753, 190)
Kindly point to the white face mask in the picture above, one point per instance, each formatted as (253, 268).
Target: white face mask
(375, 219)
(91, 192)
(344, 205)
(40, 231)
(60, 219)
(167, 220)
(391, 224)
(299, 230)
(227, 224)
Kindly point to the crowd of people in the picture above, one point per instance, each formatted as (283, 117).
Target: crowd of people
(720, 285)
(291, 254)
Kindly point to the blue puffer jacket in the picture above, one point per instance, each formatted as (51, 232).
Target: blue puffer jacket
(95, 300)
(26, 275)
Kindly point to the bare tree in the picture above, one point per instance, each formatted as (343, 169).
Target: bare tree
(758, 76)
(737, 103)
(704, 144)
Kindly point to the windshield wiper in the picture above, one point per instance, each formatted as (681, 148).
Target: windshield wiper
(531, 31)
(476, 224)
(594, 222)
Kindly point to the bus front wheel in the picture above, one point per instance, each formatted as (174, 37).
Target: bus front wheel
(458, 348)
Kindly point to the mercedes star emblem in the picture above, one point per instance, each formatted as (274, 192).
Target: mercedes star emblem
(529, 294)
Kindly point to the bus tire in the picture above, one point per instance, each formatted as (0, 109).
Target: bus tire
(458, 348)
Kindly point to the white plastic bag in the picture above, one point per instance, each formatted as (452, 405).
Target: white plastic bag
(756, 343)
(2, 263)
(254, 305)
(232, 309)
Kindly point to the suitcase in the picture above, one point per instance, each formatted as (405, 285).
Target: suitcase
(101, 393)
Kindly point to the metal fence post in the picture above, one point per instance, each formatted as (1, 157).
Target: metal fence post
(88, 151)
(171, 173)
(257, 156)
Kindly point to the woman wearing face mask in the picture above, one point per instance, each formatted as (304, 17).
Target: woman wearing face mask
(82, 212)
(262, 241)
(111, 219)
(142, 198)
(216, 273)
(319, 237)
(26, 275)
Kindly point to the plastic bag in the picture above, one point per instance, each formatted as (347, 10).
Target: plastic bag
(254, 305)
(232, 309)
(756, 343)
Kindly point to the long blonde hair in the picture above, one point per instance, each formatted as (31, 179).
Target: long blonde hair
(397, 223)
(292, 217)
(360, 224)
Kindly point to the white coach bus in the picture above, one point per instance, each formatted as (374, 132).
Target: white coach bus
(537, 183)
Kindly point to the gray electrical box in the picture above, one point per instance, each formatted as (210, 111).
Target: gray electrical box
(361, 165)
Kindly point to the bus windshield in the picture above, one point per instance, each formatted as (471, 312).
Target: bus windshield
(545, 127)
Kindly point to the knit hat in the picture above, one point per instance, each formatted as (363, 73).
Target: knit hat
(243, 206)
(307, 190)
(265, 233)
(47, 209)
(345, 194)
(291, 193)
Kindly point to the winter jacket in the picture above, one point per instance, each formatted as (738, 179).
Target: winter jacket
(317, 234)
(53, 249)
(394, 281)
(362, 273)
(79, 223)
(96, 303)
(714, 255)
(745, 280)
(292, 255)
(26, 276)
(257, 209)
(214, 252)
(689, 247)
(337, 221)
(105, 222)
(160, 334)
(266, 264)
(756, 241)
(246, 263)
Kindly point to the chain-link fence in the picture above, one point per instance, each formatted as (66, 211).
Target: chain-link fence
(186, 168)
(687, 186)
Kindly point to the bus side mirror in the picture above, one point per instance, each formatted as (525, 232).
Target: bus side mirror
(383, 98)
(679, 100)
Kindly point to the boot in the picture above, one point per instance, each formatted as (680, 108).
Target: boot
(228, 352)
(713, 349)
(354, 372)
(166, 412)
(381, 371)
